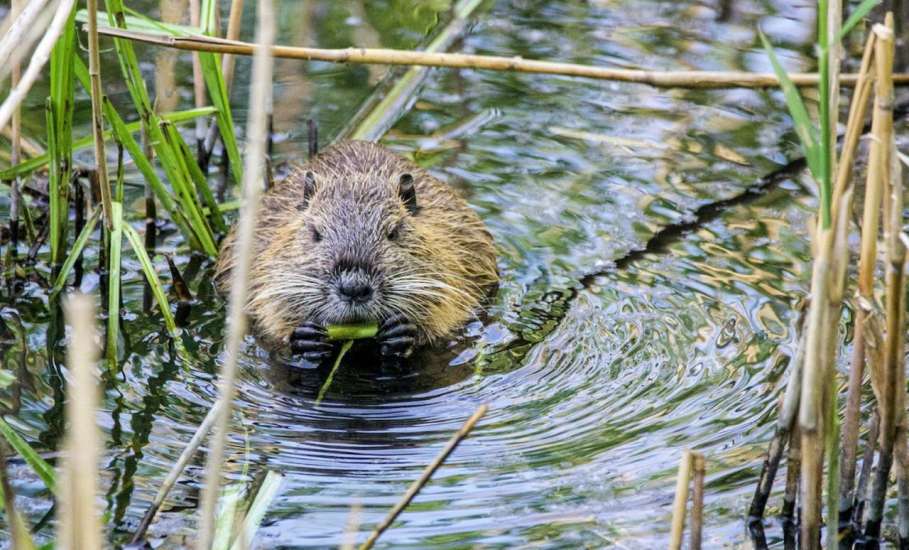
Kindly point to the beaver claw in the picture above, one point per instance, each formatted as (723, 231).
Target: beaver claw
(397, 337)
(310, 340)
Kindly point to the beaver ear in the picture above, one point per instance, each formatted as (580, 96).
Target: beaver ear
(309, 188)
(408, 192)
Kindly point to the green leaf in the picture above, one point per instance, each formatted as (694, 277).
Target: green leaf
(860, 12)
(804, 127)
(44, 470)
(220, 98)
(151, 276)
(76, 249)
(113, 283)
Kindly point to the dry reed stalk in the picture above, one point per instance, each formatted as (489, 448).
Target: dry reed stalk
(697, 501)
(39, 58)
(235, 18)
(16, 153)
(789, 406)
(94, 73)
(861, 486)
(793, 467)
(198, 81)
(175, 471)
(869, 230)
(79, 525)
(17, 528)
(384, 56)
(424, 478)
(23, 25)
(27, 146)
(680, 503)
(351, 527)
(882, 132)
(260, 92)
(233, 33)
(811, 410)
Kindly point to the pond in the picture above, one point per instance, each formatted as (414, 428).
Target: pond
(599, 364)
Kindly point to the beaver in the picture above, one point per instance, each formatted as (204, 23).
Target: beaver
(360, 234)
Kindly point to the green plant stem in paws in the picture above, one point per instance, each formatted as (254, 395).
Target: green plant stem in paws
(345, 347)
(353, 331)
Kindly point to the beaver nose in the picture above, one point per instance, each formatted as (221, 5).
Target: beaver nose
(355, 291)
(354, 287)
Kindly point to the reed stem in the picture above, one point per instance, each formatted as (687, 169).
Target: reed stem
(383, 56)
(882, 132)
(94, 72)
(679, 505)
(260, 93)
(39, 59)
(16, 153)
(869, 230)
(697, 501)
(79, 525)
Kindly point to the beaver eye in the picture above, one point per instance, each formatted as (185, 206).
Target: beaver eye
(316, 236)
(395, 233)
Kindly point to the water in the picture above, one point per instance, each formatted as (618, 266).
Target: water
(596, 378)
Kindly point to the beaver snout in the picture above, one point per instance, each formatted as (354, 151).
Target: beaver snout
(354, 286)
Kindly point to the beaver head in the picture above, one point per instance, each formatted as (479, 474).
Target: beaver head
(359, 234)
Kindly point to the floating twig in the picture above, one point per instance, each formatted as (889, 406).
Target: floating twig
(424, 478)
(175, 471)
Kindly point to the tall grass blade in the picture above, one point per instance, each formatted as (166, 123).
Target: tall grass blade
(151, 276)
(858, 14)
(220, 98)
(60, 134)
(40, 466)
(266, 493)
(804, 127)
(113, 284)
(75, 251)
(26, 167)
(186, 195)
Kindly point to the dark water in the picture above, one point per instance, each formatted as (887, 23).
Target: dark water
(595, 383)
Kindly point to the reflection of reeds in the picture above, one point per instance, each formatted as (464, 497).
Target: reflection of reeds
(260, 93)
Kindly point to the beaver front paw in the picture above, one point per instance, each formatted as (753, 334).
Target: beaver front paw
(311, 340)
(397, 337)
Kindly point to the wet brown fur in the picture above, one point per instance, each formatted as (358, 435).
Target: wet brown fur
(437, 271)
